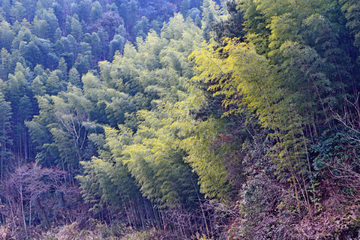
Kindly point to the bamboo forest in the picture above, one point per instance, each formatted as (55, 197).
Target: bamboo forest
(179, 119)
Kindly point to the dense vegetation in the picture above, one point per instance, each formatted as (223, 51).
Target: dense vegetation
(180, 119)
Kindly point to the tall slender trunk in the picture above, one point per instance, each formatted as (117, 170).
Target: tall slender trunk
(2, 161)
(22, 208)
(202, 210)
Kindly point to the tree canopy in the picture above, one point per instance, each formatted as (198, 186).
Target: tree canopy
(197, 119)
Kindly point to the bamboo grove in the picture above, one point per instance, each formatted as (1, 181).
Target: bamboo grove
(195, 120)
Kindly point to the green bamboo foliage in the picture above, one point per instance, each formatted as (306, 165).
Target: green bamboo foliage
(62, 120)
(351, 10)
(207, 161)
(138, 96)
(249, 82)
(107, 184)
(155, 158)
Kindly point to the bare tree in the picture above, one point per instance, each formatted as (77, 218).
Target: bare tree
(36, 197)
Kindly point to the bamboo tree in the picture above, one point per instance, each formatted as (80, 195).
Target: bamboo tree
(5, 140)
(247, 81)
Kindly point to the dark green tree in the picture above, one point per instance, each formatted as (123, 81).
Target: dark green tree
(96, 11)
(6, 35)
(184, 8)
(6, 156)
(74, 77)
(18, 12)
(117, 44)
(76, 29)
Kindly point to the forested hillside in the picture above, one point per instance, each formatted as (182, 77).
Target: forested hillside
(192, 119)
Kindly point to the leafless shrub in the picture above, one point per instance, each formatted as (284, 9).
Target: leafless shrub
(5, 233)
(36, 199)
